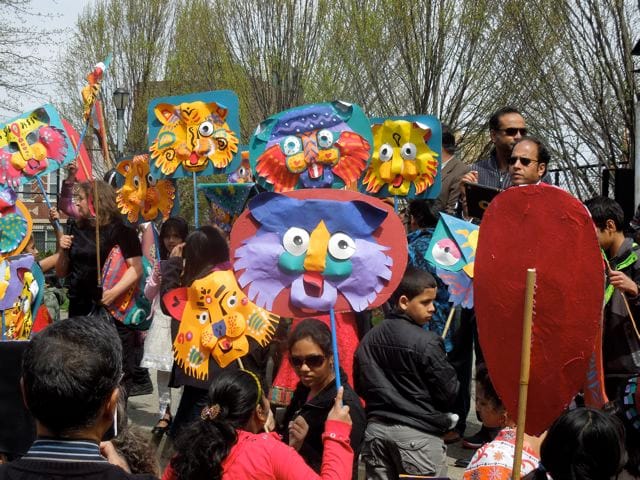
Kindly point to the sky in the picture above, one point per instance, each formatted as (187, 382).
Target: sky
(63, 16)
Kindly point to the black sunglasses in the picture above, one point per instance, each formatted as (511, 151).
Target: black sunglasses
(524, 161)
(512, 132)
(311, 361)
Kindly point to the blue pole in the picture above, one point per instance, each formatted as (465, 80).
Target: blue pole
(3, 327)
(334, 346)
(395, 203)
(46, 200)
(156, 240)
(195, 200)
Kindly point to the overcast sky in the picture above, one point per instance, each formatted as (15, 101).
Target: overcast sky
(63, 15)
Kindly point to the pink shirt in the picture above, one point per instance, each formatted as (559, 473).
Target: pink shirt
(264, 456)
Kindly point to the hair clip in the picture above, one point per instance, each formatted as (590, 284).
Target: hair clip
(210, 413)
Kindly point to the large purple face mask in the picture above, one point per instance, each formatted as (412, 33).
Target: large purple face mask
(317, 248)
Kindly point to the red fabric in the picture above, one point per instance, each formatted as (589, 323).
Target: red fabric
(42, 320)
(541, 227)
(347, 333)
(263, 456)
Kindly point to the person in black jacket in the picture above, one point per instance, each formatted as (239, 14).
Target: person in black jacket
(402, 373)
(71, 374)
(311, 356)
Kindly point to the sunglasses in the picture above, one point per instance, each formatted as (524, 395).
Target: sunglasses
(311, 361)
(512, 132)
(524, 161)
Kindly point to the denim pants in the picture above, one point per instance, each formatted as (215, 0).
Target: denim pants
(390, 450)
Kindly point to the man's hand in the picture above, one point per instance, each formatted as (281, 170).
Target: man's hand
(298, 430)
(108, 451)
(623, 283)
(66, 241)
(469, 177)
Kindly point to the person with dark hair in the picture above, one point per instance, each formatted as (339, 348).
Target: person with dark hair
(70, 381)
(494, 460)
(158, 351)
(627, 409)
(528, 161)
(620, 342)
(452, 170)
(204, 251)
(311, 355)
(229, 441)
(506, 127)
(582, 444)
(402, 373)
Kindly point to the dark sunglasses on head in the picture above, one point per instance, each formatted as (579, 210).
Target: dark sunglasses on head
(524, 161)
(311, 361)
(512, 132)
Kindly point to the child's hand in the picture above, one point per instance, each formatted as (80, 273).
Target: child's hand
(177, 250)
(339, 411)
(108, 297)
(298, 430)
(156, 271)
(622, 282)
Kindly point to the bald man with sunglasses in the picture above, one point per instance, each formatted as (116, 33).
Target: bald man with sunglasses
(528, 161)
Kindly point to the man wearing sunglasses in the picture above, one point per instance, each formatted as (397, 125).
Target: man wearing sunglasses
(528, 161)
(506, 127)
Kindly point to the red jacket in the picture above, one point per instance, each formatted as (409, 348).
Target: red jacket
(263, 456)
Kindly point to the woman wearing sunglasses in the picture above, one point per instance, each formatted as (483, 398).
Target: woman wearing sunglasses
(311, 356)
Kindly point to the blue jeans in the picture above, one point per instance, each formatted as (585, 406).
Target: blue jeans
(390, 450)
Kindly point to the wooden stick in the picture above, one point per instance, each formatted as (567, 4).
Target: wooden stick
(625, 300)
(240, 363)
(447, 325)
(525, 365)
(96, 210)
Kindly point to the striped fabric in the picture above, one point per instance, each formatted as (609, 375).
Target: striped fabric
(65, 451)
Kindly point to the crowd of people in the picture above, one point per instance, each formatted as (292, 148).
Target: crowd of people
(410, 392)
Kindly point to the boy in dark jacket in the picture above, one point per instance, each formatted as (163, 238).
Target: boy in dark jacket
(402, 373)
(620, 342)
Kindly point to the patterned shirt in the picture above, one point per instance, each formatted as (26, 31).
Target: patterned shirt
(65, 451)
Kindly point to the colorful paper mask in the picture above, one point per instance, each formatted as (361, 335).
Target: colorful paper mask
(312, 250)
(91, 90)
(15, 223)
(226, 202)
(405, 160)
(194, 134)
(21, 293)
(243, 174)
(143, 197)
(537, 226)
(452, 251)
(32, 144)
(323, 145)
(216, 319)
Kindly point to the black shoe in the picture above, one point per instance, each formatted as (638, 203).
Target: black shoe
(141, 389)
(485, 435)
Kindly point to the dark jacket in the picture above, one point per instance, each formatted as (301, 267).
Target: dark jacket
(24, 469)
(620, 345)
(402, 373)
(315, 413)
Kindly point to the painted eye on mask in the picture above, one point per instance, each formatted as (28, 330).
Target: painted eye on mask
(341, 246)
(386, 152)
(205, 129)
(291, 145)
(408, 151)
(446, 252)
(296, 241)
(203, 317)
(136, 181)
(325, 138)
(151, 180)
(232, 301)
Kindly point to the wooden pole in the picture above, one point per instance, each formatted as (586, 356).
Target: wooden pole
(525, 364)
(625, 300)
(447, 325)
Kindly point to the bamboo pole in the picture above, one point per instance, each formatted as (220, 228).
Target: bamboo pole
(525, 365)
(447, 325)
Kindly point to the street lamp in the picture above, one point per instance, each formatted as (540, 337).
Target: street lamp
(121, 100)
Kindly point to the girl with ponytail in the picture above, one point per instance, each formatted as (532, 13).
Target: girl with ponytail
(229, 440)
